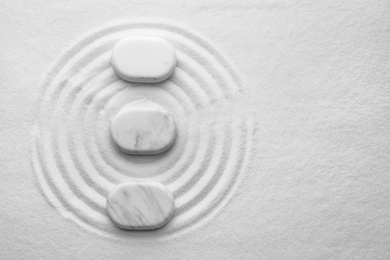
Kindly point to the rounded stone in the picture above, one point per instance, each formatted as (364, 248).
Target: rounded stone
(143, 127)
(140, 205)
(143, 59)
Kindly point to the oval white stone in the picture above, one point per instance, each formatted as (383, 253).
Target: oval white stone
(143, 127)
(140, 205)
(143, 59)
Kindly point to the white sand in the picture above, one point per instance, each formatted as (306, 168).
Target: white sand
(282, 110)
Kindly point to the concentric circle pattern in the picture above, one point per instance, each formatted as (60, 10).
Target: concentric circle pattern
(75, 161)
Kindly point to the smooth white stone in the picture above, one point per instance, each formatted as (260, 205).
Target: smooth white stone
(140, 205)
(143, 127)
(143, 59)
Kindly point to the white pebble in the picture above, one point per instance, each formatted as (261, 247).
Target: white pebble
(143, 127)
(140, 205)
(143, 59)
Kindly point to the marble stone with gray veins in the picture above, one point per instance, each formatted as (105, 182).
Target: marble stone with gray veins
(143, 127)
(140, 205)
